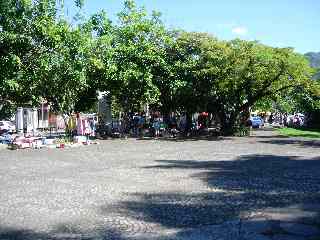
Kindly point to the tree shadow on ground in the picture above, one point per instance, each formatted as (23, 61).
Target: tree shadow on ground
(257, 173)
(270, 137)
(60, 232)
(305, 135)
(186, 139)
(236, 189)
(9, 233)
(298, 142)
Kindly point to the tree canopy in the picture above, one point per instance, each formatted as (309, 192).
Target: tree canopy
(139, 61)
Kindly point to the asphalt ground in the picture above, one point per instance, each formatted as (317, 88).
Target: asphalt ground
(161, 189)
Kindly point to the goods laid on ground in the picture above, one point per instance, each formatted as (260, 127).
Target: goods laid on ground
(15, 142)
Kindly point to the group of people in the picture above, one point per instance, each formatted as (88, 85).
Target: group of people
(156, 124)
(137, 124)
(295, 120)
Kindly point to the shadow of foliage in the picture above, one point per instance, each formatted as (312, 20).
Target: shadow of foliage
(60, 232)
(237, 188)
(185, 139)
(290, 141)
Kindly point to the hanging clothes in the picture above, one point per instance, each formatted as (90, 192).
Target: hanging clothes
(80, 126)
(72, 123)
(92, 124)
(87, 129)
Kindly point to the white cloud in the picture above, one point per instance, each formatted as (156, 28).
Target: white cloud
(226, 25)
(240, 30)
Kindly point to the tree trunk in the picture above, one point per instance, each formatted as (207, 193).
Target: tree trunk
(166, 115)
(228, 123)
(189, 122)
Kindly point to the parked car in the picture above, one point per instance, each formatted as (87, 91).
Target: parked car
(256, 122)
(7, 126)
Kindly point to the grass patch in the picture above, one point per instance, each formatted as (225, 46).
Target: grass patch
(292, 132)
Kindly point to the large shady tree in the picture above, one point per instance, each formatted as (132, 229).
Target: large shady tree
(41, 55)
(228, 78)
(255, 71)
(138, 61)
(125, 55)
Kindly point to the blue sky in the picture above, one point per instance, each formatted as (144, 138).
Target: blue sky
(280, 23)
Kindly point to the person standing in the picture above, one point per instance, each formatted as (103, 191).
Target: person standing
(156, 126)
(136, 120)
(141, 123)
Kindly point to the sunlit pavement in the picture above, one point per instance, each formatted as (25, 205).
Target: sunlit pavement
(261, 187)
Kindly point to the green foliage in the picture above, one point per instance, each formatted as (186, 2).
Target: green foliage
(304, 99)
(42, 55)
(227, 78)
(7, 110)
(124, 56)
(139, 61)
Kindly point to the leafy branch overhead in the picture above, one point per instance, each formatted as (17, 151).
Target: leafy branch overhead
(138, 60)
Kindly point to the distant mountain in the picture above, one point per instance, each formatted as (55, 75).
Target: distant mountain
(314, 59)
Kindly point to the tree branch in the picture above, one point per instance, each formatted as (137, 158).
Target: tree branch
(264, 90)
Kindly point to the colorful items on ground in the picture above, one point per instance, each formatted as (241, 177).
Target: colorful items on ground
(20, 142)
(79, 130)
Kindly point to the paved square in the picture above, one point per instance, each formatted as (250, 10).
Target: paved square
(155, 189)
